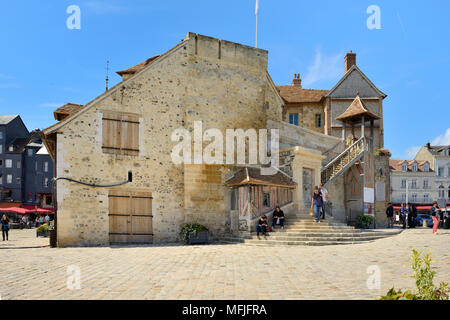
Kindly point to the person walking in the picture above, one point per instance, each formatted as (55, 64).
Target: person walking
(403, 215)
(47, 218)
(390, 215)
(435, 216)
(413, 214)
(324, 193)
(278, 218)
(317, 203)
(5, 227)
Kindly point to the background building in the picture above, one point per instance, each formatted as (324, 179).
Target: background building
(26, 169)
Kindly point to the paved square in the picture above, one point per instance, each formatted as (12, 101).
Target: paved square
(215, 271)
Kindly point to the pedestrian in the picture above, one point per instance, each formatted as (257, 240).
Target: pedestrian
(403, 215)
(317, 203)
(36, 222)
(261, 227)
(278, 218)
(5, 227)
(41, 220)
(47, 218)
(390, 215)
(413, 214)
(324, 193)
(435, 216)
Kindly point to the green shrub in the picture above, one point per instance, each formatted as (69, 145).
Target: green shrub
(191, 228)
(424, 275)
(43, 228)
(364, 222)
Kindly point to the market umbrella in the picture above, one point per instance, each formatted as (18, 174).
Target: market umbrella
(16, 210)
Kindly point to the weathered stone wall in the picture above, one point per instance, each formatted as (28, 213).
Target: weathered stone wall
(225, 85)
(307, 115)
(382, 189)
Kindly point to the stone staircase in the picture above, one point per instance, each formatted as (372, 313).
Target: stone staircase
(302, 230)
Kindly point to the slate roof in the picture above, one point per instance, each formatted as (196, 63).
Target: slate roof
(356, 110)
(7, 119)
(252, 176)
(295, 94)
(395, 165)
(436, 150)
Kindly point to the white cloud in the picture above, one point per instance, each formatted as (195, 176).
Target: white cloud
(442, 140)
(412, 152)
(324, 68)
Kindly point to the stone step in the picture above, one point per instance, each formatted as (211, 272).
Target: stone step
(271, 243)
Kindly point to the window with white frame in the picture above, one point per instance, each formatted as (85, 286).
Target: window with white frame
(404, 197)
(414, 184)
(426, 167)
(441, 192)
(426, 198)
(403, 183)
(405, 167)
(8, 163)
(9, 178)
(11, 148)
(425, 184)
(440, 172)
(45, 166)
(1, 148)
(45, 182)
(414, 167)
(18, 180)
(19, 164)
(293, 118)
(414, 198)
(30, 152)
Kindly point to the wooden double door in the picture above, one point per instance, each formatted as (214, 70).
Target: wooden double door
(130, 216)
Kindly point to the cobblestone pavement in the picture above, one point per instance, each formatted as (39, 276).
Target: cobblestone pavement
(217, 271)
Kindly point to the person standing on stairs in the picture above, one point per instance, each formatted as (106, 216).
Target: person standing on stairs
(317, 203)
(324, 193)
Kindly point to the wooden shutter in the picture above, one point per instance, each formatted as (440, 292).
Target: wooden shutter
(130, 216)
(120, 133)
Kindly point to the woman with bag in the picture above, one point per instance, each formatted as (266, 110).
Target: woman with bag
(317, 203)
(5, 227)
(435, 216)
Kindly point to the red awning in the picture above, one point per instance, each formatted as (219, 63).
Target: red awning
(420, 208)
(36, 209)
(16, 210)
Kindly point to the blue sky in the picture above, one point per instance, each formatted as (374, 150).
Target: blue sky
(43, 64)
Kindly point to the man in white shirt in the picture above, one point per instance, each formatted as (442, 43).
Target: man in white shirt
(324, 193)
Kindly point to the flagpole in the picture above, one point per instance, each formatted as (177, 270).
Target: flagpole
(256, 41)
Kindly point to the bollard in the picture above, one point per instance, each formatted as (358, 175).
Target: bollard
(425, 223)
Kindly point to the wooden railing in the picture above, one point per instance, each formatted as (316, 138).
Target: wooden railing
(343, 161)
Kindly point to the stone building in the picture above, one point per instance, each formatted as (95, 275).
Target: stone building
(424, 179)
(116, 178)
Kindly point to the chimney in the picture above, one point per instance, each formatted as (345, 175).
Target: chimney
(297, 82)
(350, 61)
(428, 145)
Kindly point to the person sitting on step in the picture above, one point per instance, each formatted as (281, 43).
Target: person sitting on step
(262, 225)
(278, 218)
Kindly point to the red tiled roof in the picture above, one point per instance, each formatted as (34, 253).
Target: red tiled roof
(255, 178)
(395, 165)
(294, 94)
(138, 67)
(66, 110)
(356, 110)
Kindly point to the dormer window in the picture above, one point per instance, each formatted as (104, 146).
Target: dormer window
(426, 167)
(405, 167)
(414, 167)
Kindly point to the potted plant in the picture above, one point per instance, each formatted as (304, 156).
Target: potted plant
(194, 233)
(42, 231)
(364, 222)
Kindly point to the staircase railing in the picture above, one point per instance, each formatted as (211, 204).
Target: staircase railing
(343, 161)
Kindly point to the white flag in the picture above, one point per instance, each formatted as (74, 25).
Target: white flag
(257, 7)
